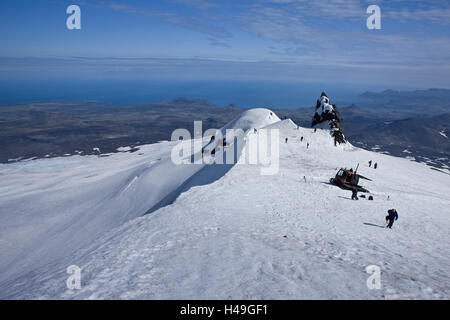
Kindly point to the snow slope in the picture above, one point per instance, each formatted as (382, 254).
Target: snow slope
(141, 227)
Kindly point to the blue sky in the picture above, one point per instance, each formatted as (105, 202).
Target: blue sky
(286, 40)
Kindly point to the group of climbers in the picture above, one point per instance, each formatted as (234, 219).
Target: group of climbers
(392, 213)
(301, 140)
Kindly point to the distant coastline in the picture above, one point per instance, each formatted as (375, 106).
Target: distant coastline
(246, 94)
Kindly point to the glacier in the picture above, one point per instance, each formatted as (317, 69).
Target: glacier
(141, 227)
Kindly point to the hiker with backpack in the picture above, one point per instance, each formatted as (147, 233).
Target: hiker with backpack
(391, 217)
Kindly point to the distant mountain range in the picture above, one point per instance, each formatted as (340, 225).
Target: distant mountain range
(400, 104)
(432, 93)
(409, 124)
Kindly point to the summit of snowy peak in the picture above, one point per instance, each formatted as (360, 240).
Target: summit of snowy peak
(253, 119)
(286, 124)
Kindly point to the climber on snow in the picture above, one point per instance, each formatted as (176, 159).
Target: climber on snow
(355, 194)
(391, 217)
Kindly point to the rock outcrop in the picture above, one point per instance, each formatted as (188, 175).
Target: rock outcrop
(325, 111)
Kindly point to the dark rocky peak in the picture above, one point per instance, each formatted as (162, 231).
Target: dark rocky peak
(325, 111)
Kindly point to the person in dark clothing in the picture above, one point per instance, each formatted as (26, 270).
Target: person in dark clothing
(370, 163)
(391, 217)
(307, 145)
(355, 194)
(375, 165)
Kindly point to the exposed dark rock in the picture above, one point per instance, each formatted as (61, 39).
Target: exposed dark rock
(329, 112)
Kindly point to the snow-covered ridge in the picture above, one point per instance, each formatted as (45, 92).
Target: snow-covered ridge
(222, 231)
(73, 200)
(252, 119)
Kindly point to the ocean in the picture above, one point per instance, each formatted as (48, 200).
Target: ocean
(246, 94)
